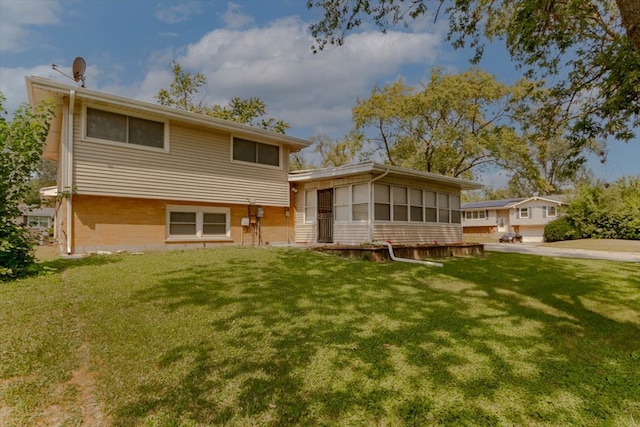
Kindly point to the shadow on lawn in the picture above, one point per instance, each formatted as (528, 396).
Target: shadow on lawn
(311, 339)
(58, 265)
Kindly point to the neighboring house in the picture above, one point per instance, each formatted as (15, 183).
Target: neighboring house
(38, 220)
(370, 202)
(526, 216)
(135, 175)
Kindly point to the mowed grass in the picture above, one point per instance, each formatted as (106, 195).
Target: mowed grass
(248, 336)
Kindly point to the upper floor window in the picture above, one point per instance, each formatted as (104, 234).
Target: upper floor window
(110, 126)
(256, 152)
(523, 212)
(551, 211)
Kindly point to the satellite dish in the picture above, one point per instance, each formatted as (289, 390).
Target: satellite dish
(79, 67)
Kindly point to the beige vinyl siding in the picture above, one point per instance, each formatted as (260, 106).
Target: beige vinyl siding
(198, 167)
(400, 234)
(304, 233)
(350, 233)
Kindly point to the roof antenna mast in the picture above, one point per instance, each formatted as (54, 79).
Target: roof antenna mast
(78, 68)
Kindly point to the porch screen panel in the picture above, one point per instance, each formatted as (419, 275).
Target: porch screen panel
(382, 202)
(400, 204)
(431, 206)
(416, 212)
(443, 208)
(310, 205)
(342, 204)
(455, 209)
(360, 202)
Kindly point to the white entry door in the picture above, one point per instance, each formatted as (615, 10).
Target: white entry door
(502, 224)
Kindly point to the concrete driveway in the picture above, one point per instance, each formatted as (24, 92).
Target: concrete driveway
(534, 249)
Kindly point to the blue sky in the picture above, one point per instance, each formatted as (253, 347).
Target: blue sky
(245, 48)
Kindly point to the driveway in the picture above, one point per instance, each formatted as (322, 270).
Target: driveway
(534, 249)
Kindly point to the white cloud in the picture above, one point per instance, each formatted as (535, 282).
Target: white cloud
(314, 93)
(317, 91)
(17, 16)
(234, 18)
(177, 12)
(13, 87)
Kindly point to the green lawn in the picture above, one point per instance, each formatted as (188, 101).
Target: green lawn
(245, 336)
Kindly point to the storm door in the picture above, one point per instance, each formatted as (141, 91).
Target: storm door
(325, 216)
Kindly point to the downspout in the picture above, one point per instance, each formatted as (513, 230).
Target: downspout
(371, 210)
(69, 170)
(415, 261)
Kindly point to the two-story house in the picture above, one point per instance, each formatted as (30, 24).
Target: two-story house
(526, 216)
(135, 175)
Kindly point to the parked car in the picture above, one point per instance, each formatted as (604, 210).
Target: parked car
(511, 238)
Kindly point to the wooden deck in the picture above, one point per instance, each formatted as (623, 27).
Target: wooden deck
(381, 252)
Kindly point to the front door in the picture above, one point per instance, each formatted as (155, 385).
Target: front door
(502, 224)
(325, 216)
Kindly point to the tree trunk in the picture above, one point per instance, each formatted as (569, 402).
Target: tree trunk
(630, 14)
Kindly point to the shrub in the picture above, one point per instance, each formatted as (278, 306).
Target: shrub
(560, 229)
(607, 211)
(21, 143)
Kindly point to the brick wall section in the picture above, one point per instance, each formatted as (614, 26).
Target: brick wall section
(119, 223)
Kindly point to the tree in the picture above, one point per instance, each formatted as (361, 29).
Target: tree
(334, 153)
(454, 125)
(185, 87)
(590, 48)
(607, 211)
(548, 161)
(45, 175)
(21, 144)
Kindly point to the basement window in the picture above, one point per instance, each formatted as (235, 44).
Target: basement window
(197, 223)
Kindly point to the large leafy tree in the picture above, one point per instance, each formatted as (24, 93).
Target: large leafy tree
(21, 143)
(547, 161)
(590, 49)
(453, 125)
(183, 92)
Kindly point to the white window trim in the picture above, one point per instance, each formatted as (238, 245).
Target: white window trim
(424, 207)
(528, 216)
(481, 211)
(83, 122)
(343, 205)
(262, 165)
(199, 210)
(555, 211)
(351, 202)
(315, 206)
